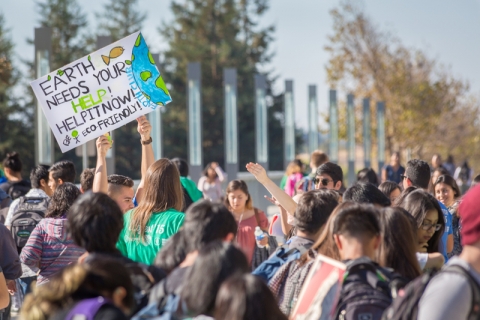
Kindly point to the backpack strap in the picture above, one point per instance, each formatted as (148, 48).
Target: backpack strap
(87, 308)
(475, 308)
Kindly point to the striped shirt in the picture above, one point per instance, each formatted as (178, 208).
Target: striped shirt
(50, 248)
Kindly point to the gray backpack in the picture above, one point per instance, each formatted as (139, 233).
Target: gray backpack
(29, 213)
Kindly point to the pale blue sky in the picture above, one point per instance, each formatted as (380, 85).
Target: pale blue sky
(447, 30)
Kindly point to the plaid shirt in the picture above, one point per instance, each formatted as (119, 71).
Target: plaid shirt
(287, 283)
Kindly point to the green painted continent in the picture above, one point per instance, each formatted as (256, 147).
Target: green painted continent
(145, 75)
(160, 84)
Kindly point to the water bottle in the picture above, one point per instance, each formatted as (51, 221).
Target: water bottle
(259, 235)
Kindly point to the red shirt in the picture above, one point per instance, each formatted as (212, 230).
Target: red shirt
(246, 236)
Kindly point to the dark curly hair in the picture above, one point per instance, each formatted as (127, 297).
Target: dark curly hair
(62, 199)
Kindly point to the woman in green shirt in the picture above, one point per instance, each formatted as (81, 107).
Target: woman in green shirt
(157, 217)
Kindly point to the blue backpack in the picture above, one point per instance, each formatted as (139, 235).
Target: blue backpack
(267, 269)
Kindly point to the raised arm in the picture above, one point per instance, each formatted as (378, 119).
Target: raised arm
(148, 158)
(100, 180)
(261, 175)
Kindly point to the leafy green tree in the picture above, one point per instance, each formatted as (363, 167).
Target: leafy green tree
(119, 19)
(16, 133)
(70, 41)
(219, 34)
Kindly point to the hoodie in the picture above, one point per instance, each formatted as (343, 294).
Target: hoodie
(50, 248)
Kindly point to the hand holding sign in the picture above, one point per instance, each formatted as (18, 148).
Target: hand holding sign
(103, 144)
(144, 128)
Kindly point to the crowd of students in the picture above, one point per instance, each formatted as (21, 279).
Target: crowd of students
(175, 249)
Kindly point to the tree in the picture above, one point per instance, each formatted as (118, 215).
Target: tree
(69, 43)
(426, 106)
(219, 34)
(16, 132)
(118, 20)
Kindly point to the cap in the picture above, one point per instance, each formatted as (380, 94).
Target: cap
(470, 214)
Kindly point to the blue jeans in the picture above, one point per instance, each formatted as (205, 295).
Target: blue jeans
(26, 284)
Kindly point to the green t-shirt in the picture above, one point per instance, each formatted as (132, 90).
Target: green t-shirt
(191, 188)
(160, 227)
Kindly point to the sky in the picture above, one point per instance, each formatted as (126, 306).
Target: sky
(446, 30)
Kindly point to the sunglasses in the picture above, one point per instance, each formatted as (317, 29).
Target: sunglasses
(323, 181)
(428, 226)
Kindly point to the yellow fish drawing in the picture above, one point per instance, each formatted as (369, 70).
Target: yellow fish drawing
(114, 53)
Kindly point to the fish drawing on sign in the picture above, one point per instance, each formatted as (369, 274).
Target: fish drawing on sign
(114, 53)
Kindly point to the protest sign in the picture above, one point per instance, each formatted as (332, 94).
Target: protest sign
(319, 296)
(100, 92)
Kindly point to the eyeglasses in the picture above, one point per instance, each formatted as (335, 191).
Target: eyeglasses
(428, 226)
(323, 181)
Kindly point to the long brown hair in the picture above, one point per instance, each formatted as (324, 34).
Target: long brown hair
(163, 191)
(235, 185)
(398, 246)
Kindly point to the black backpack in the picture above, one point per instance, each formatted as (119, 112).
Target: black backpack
(29, 213)
(367, 290)
(18, 189)
(405, 306)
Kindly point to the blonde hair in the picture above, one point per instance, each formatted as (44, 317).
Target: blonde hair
(163, 191)
(47, 299)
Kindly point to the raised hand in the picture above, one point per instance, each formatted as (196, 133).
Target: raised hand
(258, 171)
(144, 128)
(103, 144)
(273, 201)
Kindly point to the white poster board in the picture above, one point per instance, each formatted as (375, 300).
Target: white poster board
(101, 92)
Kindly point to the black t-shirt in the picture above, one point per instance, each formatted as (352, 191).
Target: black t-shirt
(106, 312)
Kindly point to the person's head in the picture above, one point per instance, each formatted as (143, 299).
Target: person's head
(120, 189)
(417, 174)
(99, 277)
(436, 160)
(162, 192)
(294, 167)
(470, 214)
(367, 175)
(86, 179)
(62, 199)
(215, 263)
(172, 254)
(206, 222)
(399, 243)
(428, 215)
(325, 243)
(237, 196)
(313, 210)
(440, 171)
(356, 231)
(390, 189)
(209, 171)
(12, 165)
(446, 190)
(317, 158)
(182, 166)
(361, 192)
(39, 179)
(246, 297)
(94, 222)
(329, 176)
(395, 159)
(450, 159)
(61, 172)
(476, 181)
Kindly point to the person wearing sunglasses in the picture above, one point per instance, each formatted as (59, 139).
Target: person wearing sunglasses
(329, 176)
(418, 174)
